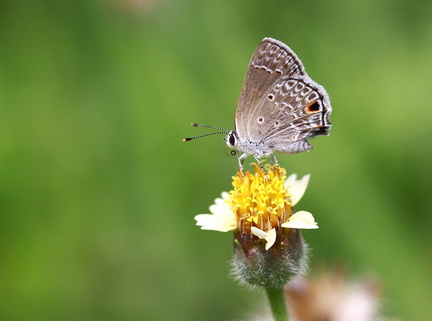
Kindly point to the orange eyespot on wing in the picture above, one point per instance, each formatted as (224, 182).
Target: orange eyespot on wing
(312, 108)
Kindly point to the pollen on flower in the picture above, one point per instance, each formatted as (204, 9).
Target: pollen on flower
(260, 200)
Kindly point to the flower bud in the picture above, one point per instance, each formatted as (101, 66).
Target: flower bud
(254, 265)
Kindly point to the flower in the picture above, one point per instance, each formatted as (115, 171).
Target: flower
(268, 247)
(258, 204)
(332, 294)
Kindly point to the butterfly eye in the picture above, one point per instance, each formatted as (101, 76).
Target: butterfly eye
(276, 123)
(271, 97)
(260, 120)
(231, 139)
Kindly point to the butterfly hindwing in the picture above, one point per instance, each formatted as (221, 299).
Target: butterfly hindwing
(291, 111)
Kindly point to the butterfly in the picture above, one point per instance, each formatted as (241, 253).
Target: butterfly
(280, 106)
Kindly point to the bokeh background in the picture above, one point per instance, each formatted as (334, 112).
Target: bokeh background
(98, 191)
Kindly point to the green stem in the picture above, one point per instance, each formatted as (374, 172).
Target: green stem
(277, 303)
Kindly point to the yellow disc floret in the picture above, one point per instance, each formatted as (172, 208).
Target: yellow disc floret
(260, 200)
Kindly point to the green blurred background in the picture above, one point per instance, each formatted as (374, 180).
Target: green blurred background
(98, 192)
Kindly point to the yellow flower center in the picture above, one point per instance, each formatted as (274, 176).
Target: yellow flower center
(260, 199)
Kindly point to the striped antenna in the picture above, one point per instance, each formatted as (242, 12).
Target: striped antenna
(205, 135)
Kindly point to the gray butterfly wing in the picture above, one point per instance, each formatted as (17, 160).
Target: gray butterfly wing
(271, 60)
(294, 109)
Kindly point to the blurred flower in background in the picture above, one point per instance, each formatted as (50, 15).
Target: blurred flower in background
(329, 295)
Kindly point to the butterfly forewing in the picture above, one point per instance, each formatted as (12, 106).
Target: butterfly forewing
(271, 60)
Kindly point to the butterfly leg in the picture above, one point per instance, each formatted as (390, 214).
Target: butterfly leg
(240, 161)
(259, 162)
(274, 160)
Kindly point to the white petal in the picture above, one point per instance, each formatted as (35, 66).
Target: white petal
(221, 223)
(269, 236)
(220, 209)
(296, 187)
(271, 239)
(301, 220)
(257, 232)
(225, 195)
(290, 180)
(222, 219)
(220, 201)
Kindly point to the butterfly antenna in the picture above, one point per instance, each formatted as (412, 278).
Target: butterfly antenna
(205, 135)
(214, 127)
